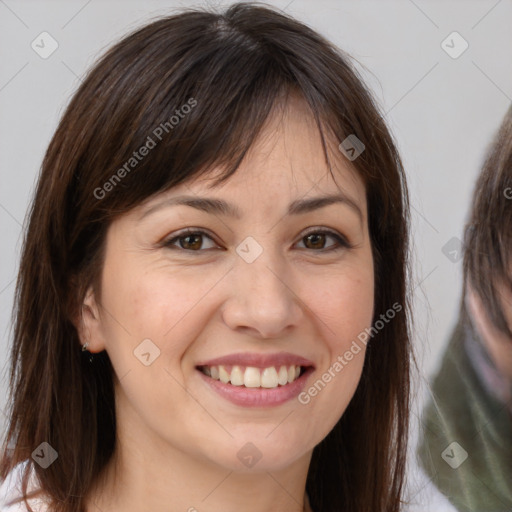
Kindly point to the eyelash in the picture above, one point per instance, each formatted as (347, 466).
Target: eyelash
(342, 242)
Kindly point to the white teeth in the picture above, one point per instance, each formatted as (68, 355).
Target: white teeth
(282, 377)
(252, 377)
(223, 374)
(237, 378)
(269, 378)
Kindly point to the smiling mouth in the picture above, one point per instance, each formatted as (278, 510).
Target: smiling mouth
(253, 377)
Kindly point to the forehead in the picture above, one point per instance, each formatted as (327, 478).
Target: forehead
(287, 160)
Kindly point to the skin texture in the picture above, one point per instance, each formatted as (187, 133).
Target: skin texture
(498, 344)
(178, 439)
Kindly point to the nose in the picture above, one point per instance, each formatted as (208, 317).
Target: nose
(263, 302)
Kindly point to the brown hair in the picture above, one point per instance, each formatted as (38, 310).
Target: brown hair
(236, 66)
(488, 232)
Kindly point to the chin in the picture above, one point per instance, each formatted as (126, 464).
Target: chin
(256, 455)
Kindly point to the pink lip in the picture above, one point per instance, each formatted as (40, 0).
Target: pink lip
(258, 397)
(258, 360)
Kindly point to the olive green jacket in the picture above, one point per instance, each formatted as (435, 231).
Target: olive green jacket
(466, 441)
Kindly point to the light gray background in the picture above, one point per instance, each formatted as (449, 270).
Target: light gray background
(442, 111)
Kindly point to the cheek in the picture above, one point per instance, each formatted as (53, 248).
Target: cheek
(344, 302)
(157, 313)
(148, 302)
(344, 305)
(345, 309)
(507, 307)
(498, 346)
(353, 308)
(347, 316)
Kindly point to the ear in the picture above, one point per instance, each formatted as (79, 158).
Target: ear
(90, 323)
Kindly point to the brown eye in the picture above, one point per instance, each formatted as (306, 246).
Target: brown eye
(189, 241)
(193, 241)
(316, 240)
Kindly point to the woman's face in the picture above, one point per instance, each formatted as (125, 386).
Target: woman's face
(271, 288)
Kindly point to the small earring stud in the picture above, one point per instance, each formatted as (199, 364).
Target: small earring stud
(84, 347)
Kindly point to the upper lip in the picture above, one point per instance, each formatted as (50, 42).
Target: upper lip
(258, 360)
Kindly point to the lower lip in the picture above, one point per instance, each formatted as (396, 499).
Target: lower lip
(258, 397)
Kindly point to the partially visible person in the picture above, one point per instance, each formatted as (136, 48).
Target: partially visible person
(466, 445)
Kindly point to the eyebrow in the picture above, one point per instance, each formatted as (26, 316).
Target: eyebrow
(221, 207)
